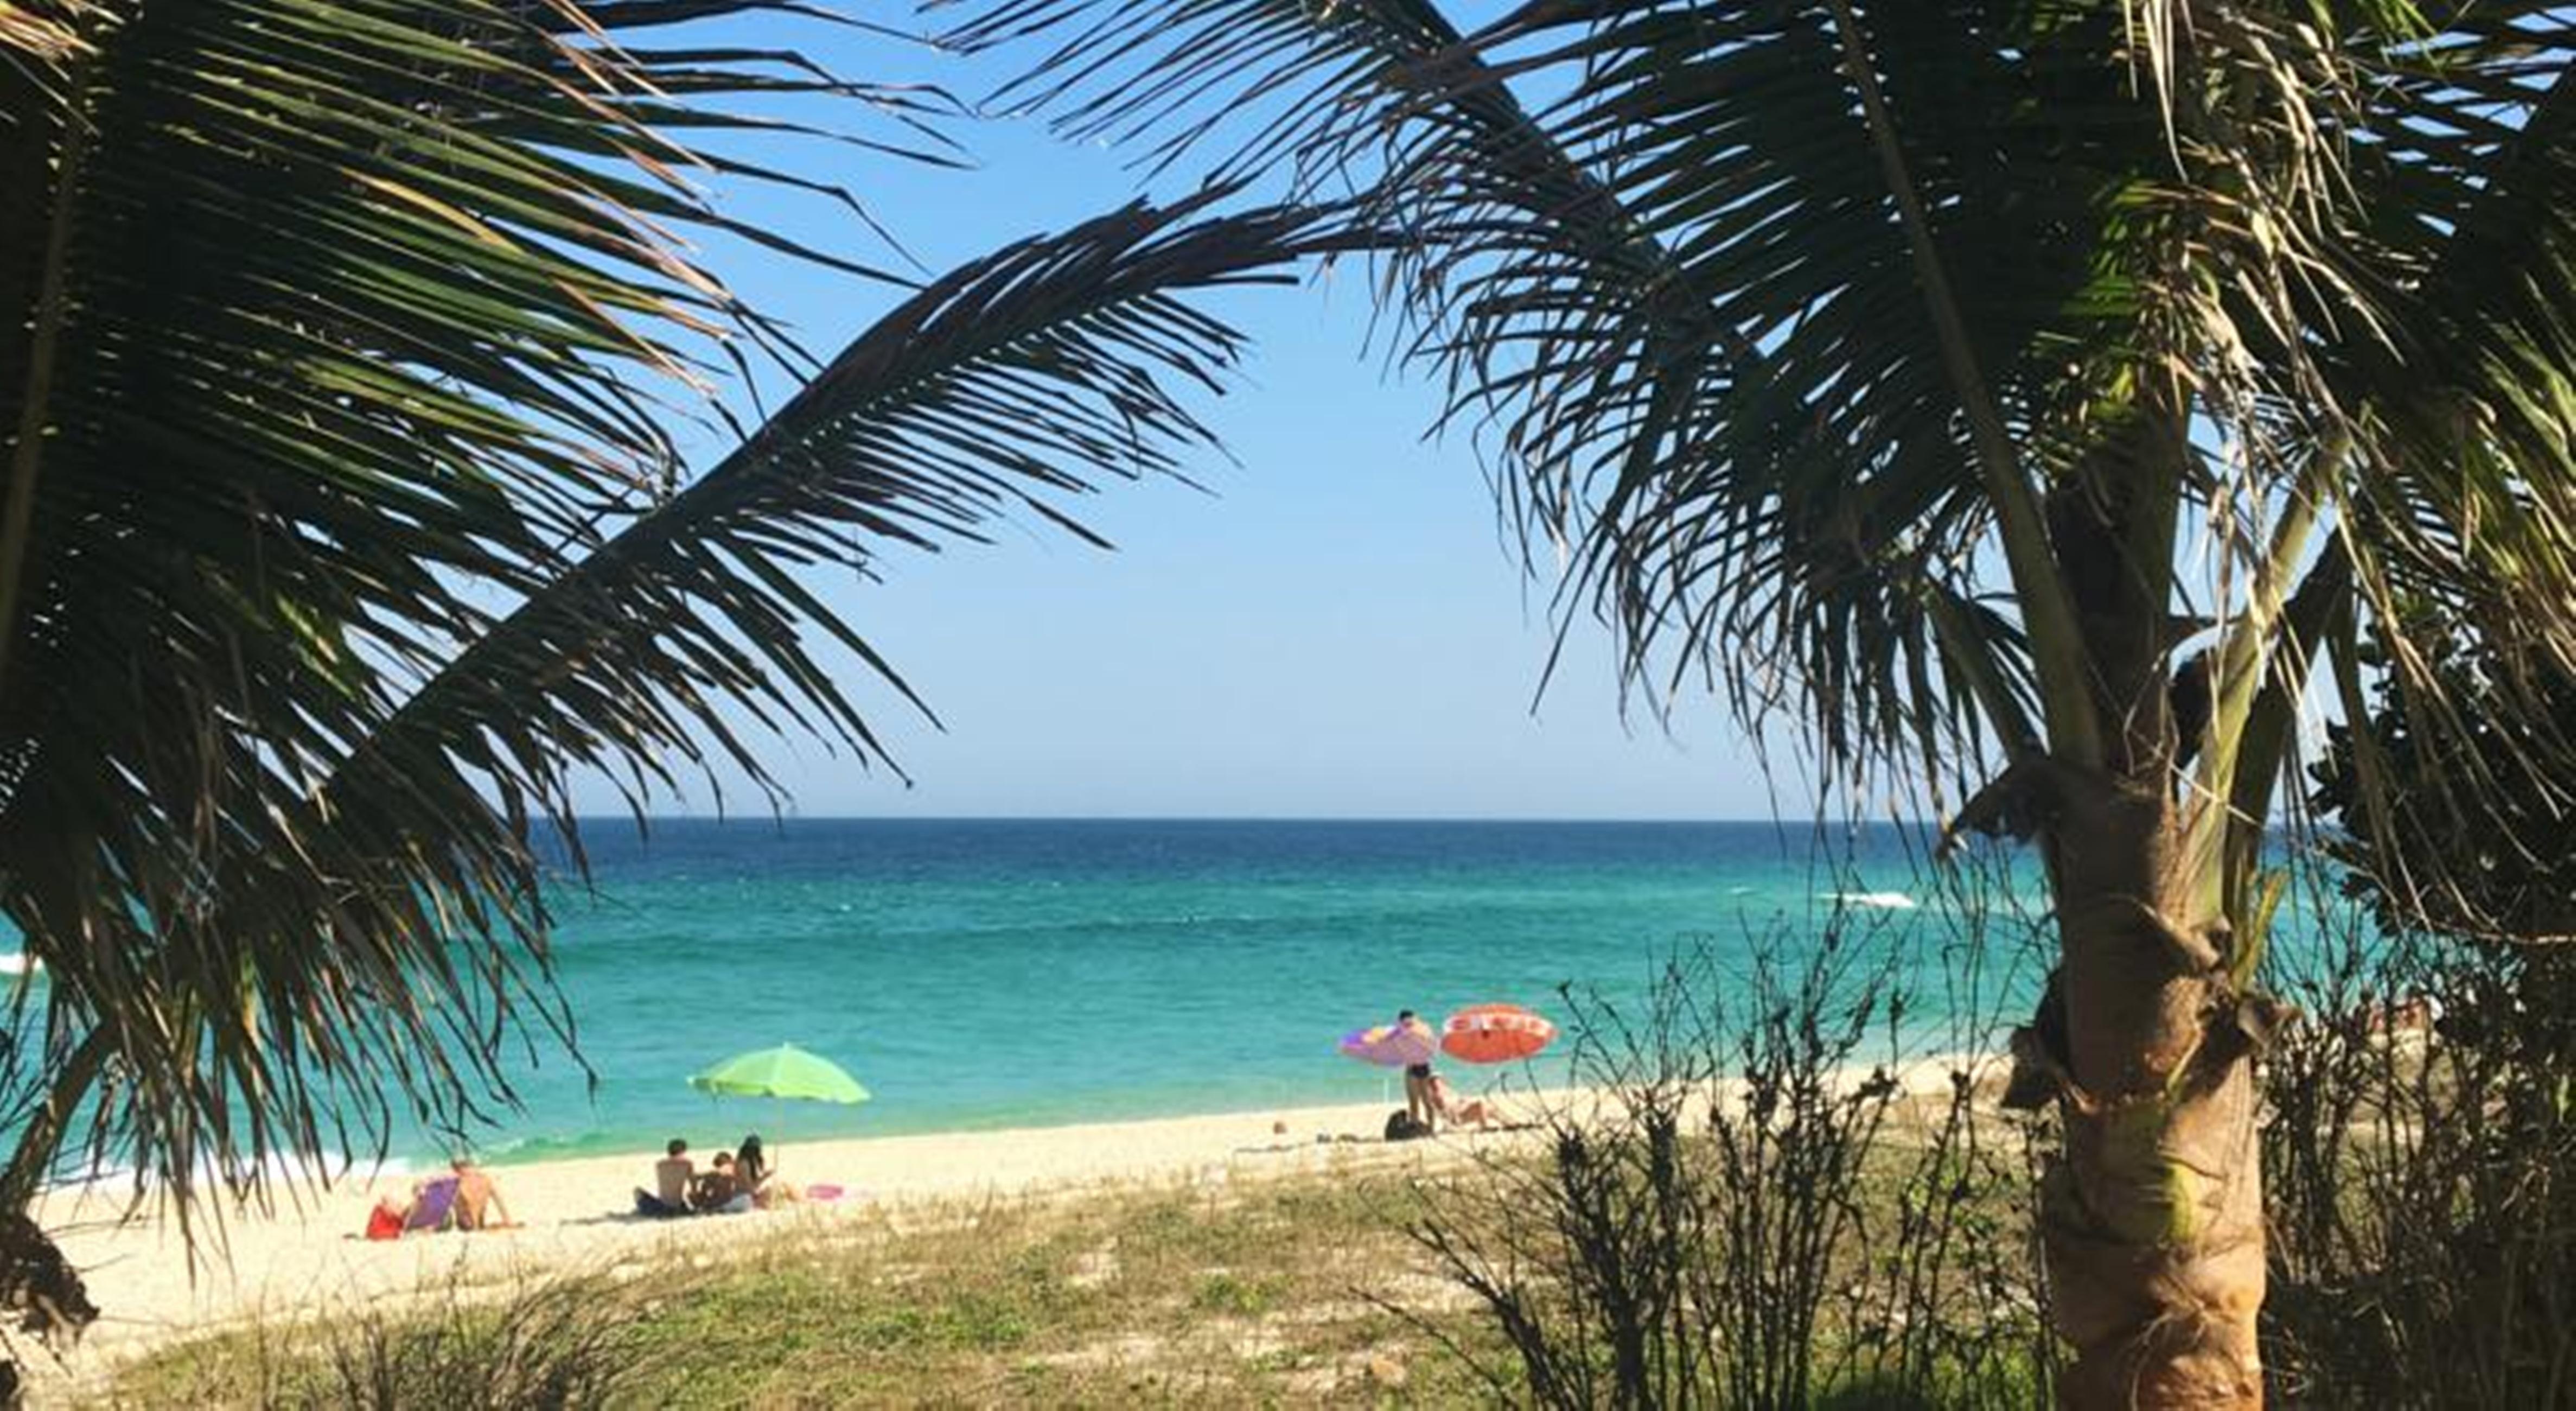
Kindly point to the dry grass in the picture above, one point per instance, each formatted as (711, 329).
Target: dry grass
(1257, 1294)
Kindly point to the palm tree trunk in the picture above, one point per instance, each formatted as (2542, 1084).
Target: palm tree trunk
(2152, 1220)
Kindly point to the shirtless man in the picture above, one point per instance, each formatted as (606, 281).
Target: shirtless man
(479, 1205)
(672, 1174)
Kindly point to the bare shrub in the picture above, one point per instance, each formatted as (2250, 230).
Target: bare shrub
(1947, 1311)
(1759, 1215)
(2423, 1154)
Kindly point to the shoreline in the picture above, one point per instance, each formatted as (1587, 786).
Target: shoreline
(760, 1115)
(1936, 1045)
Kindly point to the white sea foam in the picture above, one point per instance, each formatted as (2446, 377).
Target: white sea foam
(1889, 901)
(19, 963)
(280, 1168)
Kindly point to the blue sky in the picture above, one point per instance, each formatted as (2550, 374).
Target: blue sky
(1338, 630)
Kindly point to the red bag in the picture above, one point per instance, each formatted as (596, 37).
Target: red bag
(384, 1223)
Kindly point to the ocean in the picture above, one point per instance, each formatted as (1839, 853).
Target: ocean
(1004, 973)
(996, 973)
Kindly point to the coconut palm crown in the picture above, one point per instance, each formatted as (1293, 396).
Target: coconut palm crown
(2026, 398)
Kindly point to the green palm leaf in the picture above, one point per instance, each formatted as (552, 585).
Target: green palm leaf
(324, 324)
(1684, 300)
(2220, 331)
(344, 324)
(1016, 380)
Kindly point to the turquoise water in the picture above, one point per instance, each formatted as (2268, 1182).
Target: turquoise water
(979, 974)
(1005, 973)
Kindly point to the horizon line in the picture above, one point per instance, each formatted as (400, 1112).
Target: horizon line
(751, 816)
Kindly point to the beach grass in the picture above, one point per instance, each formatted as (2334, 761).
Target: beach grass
(1305, 1288)
(1261, 1293)
(1286, 1273)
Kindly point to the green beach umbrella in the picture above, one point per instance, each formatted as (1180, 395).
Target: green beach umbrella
(782, 1072)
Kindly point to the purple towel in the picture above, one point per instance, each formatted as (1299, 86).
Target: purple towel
(434, 1208)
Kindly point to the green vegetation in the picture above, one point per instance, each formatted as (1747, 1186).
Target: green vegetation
(2020, 399)
(343, 354)
(1767, 1219)
(2425, 1206)
(2012, 404)
(1259, 1293)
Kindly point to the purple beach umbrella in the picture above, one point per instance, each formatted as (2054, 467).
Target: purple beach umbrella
(1392, 1045)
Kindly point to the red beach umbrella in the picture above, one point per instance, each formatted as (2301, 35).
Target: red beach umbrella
(1495, 1033)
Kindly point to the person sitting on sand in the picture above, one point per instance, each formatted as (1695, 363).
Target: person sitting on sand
(720, 1191)
(1474, 1111)
(752, 1168)
(672, 1174)
(671, 1177)
(479, 1205)
(429, 1208)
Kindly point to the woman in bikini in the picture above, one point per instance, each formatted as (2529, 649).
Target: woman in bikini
(1443, 1099)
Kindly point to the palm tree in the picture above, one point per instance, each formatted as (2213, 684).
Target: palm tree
(343, 528)
(2022, 396)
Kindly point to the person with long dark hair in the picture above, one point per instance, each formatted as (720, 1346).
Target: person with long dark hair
(759, 1176)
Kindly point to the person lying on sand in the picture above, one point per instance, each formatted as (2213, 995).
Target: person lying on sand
(720, 1191)
(1444, 1101)
(479, 1205)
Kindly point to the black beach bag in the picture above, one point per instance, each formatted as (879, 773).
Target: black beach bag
(1401, 1127)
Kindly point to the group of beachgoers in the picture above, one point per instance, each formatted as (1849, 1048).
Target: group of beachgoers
(735, 1181)
(1428, 1098)
(747, 1178)
(466, 1198)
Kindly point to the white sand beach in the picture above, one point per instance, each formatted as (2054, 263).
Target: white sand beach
(578, 1214)
(306, 1258)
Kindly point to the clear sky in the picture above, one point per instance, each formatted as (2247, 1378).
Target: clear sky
(1337, 630)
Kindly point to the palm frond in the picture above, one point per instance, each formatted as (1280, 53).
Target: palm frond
(44, 31)
(1266, 81)
(1679, 296)
(338, 338)
(2466, 193)
(1683, 289)
(1014, 381)
(2463, 394)
(317, 270)
(995, 393)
